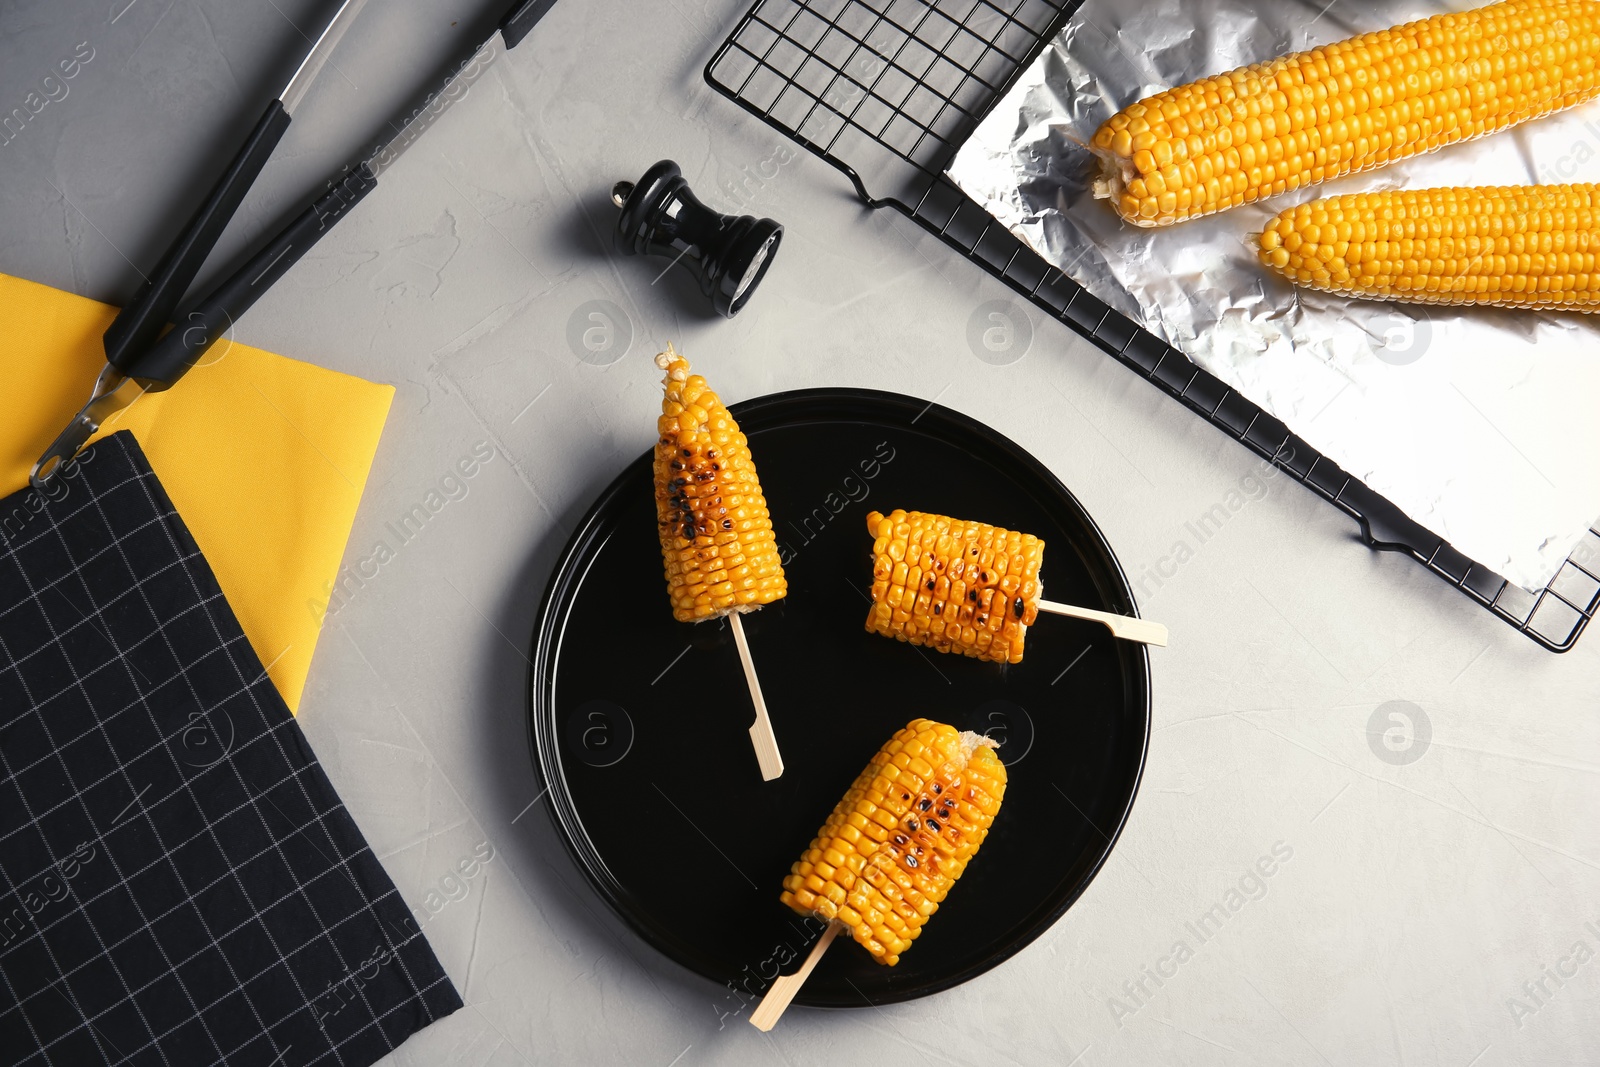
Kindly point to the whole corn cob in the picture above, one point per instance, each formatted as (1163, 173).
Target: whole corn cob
(1519, 246)
(900, 838)
(955, 586)
(1263, 130)
(716, 534)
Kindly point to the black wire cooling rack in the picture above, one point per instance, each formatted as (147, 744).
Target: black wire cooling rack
(887, 91)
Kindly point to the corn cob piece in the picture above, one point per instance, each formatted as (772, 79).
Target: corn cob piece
(1517, 246)
(954, 586)
(716, 534)
(1263, 130)
(887, 856)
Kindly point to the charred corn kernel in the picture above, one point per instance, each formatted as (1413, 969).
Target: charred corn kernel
(1347, 107)
(1531, 246)
(716, 534)
(885, 889)
(955, 586)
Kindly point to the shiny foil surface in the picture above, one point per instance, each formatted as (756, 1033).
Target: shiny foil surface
(1477, 422)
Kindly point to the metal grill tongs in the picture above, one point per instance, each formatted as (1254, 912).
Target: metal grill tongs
(140, 357)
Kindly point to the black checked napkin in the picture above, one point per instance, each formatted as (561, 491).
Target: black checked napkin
(179, 882)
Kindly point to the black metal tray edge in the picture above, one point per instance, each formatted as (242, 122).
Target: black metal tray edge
(542, 739)
(1383, 526)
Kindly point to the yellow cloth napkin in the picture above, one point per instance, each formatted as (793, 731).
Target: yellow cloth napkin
(264, 457)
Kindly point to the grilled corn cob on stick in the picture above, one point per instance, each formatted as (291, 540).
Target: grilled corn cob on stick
(887, 856)
(716, 533)
(955, 586)
(717, 543)
(1263, 130)
(1518, 246)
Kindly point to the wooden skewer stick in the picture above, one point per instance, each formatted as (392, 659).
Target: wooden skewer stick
(1123, 626)
(761, 735)
(783, 990)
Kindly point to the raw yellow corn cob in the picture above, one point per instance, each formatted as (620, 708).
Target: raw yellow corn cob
(1534, 246)
(716, 533)
(901, 836)
(955, 586)
(1266, 129)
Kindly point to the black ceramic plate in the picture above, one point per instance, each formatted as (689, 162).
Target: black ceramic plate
(639, 722)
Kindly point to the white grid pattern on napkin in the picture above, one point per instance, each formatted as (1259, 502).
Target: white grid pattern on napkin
(132, 733)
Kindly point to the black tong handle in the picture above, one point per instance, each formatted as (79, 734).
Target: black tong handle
(128, 338)
(165, 361)
(520, 20)
(169, 358)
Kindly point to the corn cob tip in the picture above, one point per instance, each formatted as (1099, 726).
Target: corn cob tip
(674, 364)
(1116, 175)
(971, 742)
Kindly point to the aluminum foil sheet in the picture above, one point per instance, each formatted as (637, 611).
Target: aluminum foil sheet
(1478, 423)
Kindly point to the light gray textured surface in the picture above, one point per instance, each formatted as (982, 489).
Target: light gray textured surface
(1420, 899)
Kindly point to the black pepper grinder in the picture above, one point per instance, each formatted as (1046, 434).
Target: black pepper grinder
(662, 217)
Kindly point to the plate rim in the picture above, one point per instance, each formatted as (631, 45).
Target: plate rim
(543, 739)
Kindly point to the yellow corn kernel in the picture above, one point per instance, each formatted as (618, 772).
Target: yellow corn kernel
(979, 585)
(1350, 106)
(716, 533)
(1532, 246)
(936, 829)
